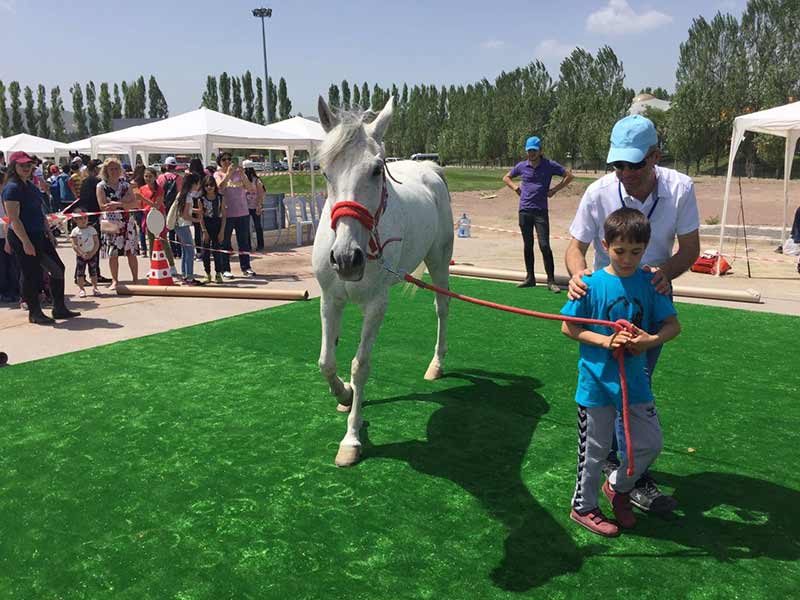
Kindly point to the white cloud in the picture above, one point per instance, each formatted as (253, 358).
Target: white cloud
(492, 44)
(552, 49)
(619, 18)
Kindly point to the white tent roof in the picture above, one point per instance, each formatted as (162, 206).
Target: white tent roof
(203, 131)
(307, 129)
(783, 121)
(31, 144)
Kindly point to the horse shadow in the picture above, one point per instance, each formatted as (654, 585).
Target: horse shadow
(478, 439)
(727, 516)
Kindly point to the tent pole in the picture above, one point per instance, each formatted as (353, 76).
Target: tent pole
(791, 140)
(736, 139)
(290, 160)
(311, 171)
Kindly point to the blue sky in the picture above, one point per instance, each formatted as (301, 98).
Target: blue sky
(313, 43)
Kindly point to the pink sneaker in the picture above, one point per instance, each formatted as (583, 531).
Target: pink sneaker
(596, 522)
(621, 505)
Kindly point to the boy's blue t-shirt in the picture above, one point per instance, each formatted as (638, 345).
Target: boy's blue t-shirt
(611, 298)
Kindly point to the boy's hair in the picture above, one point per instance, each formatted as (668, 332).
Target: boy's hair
(627, 225)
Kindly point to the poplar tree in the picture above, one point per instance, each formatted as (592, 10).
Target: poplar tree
(42, 112)
(334, 100)
(259, 116)
(247, 93)
(4, 124)
(78, 110)
(116, 108)
(273, 101)
(106, 108)
(16, 105)
(141, 97)
(365, 101)
(225, 93)
(91, 109)
(345, 95)
(158, 103)
(356, 105)
(236, 86)
(284, 104)
(30, 111)
(57, 115)
(210, 96)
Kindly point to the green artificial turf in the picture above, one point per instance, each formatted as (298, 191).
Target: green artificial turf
(198, 464)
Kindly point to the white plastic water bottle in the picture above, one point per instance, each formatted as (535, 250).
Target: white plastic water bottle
(464, 226)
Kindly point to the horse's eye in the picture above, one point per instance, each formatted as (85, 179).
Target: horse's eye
(377, 170)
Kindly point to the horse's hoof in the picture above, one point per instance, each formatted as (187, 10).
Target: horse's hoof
(348, 456)
(433, 373)
(343, 408)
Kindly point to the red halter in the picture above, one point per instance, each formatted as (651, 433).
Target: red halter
(359, 212)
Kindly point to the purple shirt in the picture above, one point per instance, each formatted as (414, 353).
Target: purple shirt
(536, 182)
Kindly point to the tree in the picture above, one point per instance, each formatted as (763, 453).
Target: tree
(259, 117)
(141, 97)
(210, 96)
(16, 104)
(377, 98)
(345, 95)
(91, 109)
(236, 86)
(128, 99)
(57, 115)
(116, 108)
(79, 110)
(42, 113)
(158, 103)
(225, 93)
(106, 108)
(365, 101)
(247, 92)
(30, 111)
(273, 101)
(334, 100)
(284, 104)
(356, 105)
(658, 92)
(4, 124)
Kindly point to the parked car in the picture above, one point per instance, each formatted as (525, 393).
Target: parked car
(279, 166)
(391, 159)
(425, 156)
(305, 163)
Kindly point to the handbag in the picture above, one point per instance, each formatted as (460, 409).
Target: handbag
(110, 226)
(711, 262)
(172, 216)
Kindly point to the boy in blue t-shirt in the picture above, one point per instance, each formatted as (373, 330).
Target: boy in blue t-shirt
(620, 291)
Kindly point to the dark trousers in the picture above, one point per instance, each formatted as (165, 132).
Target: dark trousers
(213, 226)
(538, 219)
(9, 274)
(259, 229)
(796, 227)
(198, 239)
(176, 248)
(31, 267)
(242, 227)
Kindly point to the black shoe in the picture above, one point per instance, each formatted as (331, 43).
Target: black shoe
(529, 282)
(64, 313)
(609, 466)
(648, 498)
(103, 280)
(39, 318)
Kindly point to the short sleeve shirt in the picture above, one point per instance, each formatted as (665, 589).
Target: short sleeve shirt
(31, 209)
(672, 210)
(535, 182)
(235, 196)
(610, 298)
(84, 238)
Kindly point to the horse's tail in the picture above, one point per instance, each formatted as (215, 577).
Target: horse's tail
(410, 288)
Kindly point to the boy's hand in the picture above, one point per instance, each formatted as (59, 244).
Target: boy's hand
(618, 339)
(641, 342)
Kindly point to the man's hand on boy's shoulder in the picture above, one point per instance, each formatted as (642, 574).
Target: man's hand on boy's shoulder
(577, 288)
(660, 279)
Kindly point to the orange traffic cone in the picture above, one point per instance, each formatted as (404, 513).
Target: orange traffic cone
(159, 267)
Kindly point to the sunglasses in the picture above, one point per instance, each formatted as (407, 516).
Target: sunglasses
(225, 159)
(619, 165)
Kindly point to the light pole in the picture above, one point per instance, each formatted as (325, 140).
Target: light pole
(263, 13)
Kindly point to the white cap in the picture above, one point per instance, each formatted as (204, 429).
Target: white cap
(77, 159)
(170, 160)
(248, 164)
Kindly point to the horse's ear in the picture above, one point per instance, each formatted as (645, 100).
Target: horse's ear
(326, 118)
(379, 126)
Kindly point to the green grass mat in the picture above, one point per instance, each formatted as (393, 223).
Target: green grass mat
(198, 464)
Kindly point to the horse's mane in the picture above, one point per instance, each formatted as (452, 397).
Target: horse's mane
(350, 127)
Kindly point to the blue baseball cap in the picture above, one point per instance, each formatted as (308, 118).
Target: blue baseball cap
(533, 143)
(631, 138)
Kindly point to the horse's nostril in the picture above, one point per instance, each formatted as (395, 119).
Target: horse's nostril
(332, 258)
(358, 258)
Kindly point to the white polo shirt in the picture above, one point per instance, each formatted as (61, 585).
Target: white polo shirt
(674, 212)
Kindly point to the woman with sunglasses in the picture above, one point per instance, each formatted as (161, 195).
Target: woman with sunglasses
(234, 185)
(32, 241)
(667, 199)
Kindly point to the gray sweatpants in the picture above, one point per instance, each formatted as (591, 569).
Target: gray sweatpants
(595, 432)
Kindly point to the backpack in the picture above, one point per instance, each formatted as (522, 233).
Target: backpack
(170, 190)
(65, 193)
(55, 194)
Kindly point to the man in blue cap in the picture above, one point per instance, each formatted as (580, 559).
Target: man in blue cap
(666, 197)
(536, 173)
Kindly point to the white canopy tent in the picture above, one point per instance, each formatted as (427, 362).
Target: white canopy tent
(32, 145)
(201, 131)
(783, 121)
(309, 134)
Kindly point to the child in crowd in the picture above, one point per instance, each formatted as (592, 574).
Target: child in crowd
(86, 244)
(190, 191)
(213, 224)
(619, 291)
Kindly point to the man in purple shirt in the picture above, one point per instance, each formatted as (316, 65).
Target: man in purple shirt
(536, 173)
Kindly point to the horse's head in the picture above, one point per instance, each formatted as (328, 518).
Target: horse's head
(352, 159)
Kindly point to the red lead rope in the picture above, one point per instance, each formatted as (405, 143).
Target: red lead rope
(619, 354)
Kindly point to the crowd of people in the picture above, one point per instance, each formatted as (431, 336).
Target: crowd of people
(203, 208)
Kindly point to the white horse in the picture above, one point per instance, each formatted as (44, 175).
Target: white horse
(370, 219)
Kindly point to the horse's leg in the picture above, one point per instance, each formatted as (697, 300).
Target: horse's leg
(331, 313)
(439, 271)
(350, 446)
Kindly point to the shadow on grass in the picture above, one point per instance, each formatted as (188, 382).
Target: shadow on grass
(729, 517)
(478, 439)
